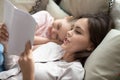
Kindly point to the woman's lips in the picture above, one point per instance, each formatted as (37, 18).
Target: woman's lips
(66, 41)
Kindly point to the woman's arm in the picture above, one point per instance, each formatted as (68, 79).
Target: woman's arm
(26, 63)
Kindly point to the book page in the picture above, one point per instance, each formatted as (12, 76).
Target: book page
(21, 27)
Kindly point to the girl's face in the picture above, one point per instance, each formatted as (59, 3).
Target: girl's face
(78, 38)
(59, 29)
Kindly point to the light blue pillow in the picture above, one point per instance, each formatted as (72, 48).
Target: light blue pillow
(1, 57)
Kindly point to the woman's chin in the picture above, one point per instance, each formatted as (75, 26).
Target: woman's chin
(64, 46)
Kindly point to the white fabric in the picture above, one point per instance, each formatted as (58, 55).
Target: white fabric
(51, 69)
(48, 52)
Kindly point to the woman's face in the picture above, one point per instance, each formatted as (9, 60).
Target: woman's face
(78, 38)
(59, 29)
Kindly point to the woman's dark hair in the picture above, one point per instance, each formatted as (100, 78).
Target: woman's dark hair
(98, 25)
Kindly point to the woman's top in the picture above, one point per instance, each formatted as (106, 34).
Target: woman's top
(50, 66)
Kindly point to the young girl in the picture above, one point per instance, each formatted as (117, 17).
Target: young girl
(49, 29)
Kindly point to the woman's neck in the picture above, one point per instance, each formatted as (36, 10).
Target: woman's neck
(69, 57)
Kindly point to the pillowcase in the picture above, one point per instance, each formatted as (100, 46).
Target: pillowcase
(115, 13)
(104, 62)
(55, 10)
(79, 7)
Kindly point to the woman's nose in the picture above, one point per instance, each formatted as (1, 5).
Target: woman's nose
(69, 33)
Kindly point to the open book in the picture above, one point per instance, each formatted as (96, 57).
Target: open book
(21, 27)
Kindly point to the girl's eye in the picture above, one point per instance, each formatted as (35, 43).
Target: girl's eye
(72, 27)
(58, 26)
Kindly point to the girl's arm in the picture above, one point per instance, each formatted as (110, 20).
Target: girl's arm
(40, 40)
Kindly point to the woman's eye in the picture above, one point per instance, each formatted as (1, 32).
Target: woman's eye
(78, 32)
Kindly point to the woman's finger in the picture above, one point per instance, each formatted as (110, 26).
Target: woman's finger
(4, 30)
(3, 37)
(28, 48)
(3, 33)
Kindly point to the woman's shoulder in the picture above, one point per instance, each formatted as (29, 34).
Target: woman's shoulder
(76, 65)
(73, 69)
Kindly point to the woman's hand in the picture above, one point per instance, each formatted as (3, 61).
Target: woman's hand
(3, 33)
(26, 63)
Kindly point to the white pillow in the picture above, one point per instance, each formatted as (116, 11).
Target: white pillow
(115, 12)
(104, 62)
(78, 7)
(55, 10)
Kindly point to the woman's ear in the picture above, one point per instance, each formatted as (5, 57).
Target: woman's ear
(91, 47)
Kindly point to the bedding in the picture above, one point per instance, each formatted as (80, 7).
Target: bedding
(79, 7)
(104, 62)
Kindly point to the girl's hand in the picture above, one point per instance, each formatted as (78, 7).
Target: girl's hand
(26, 63)
(3, 33)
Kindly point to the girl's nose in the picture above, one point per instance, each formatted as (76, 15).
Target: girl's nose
(54, 30)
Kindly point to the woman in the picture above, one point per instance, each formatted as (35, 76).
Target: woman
(65, 62)
(86, 35)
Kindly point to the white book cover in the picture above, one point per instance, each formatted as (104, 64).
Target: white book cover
(21, 27)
